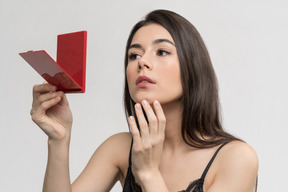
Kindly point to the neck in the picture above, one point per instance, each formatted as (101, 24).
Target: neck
(173, 136)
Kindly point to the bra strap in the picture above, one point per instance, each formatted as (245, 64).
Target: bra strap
(211, 161)
(130, 156)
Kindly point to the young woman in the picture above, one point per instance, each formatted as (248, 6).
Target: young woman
(176, 141)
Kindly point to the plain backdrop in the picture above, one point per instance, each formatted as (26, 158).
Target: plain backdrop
(247, 41)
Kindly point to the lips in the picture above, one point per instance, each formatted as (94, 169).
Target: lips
(144, 81)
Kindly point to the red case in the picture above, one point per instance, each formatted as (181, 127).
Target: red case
(69, 72)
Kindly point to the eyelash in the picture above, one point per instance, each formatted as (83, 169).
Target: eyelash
(161, 51)
(133, 56)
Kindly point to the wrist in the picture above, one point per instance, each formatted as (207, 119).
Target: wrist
(151, 180)
(149, 176)
(58, 151)
(61, 138)
(58, 143)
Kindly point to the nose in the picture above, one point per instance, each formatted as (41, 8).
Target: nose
(144, 63)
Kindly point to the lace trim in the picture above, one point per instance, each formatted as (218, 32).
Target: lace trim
(195, 186)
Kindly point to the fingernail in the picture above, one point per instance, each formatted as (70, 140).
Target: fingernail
(138, 106)
(156, 102)
(131, 118)
(145, 102)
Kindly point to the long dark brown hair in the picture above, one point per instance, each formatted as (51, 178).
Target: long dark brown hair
(201, 121)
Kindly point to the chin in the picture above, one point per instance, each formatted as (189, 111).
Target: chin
(147, 98)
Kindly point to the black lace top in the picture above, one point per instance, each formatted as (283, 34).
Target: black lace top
(195, 186)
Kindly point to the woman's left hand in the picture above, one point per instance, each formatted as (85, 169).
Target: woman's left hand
(148, 142)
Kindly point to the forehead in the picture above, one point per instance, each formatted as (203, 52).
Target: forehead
(151, 32)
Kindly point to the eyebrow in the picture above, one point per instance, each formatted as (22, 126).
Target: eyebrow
(157, 41)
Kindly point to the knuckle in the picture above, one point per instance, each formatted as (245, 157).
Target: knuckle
(147, 146)
(35, 88)
(31, 112)
(41, 98)
(161, 139)
(154, 143)
(47, 96)
(143, 124)
(157, 141)
(153, 121)
(38, 118)
(137, 149)
(134, 131)
(162, 120)
(43, 106)
(34, 118)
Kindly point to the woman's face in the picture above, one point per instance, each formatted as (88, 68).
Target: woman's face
(153, 70)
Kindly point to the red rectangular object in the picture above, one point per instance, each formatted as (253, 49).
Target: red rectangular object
(69, 72)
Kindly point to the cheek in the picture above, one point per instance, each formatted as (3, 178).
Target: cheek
(174, 80)
(172, 74)
(130, 76)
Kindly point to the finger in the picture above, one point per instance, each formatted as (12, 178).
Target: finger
(153, 125)
(160, 117)
(42, 98)
(42, 88)
(50, 103)
(143, 125)
(41, 110)
(64, 100)
(134, 131)
(49, 96)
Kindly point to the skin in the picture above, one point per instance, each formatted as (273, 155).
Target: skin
(154, 55)
(161, 160)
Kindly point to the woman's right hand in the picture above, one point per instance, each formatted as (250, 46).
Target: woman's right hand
(51, 112)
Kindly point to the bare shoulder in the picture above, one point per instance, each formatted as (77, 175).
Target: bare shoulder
(117, 144)
(123, 138)
(108, 164)
(237, 168)
(239, 153)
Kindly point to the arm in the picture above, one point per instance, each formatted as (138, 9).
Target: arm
(237, 170)
(51, 112)
(57, 177)
(107, 165)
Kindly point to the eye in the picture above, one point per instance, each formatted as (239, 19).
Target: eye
(162, 52)
(133, 56)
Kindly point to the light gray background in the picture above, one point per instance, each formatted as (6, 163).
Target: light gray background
(247, 41)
